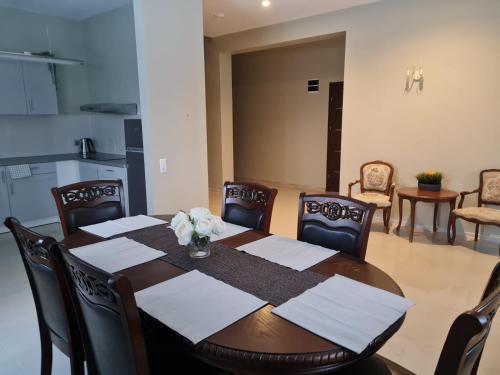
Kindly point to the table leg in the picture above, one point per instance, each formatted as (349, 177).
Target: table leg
(451, 222)
(436, 206)
(412, 218)
(400, 213)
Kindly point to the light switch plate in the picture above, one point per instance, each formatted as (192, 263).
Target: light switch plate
(163, 166)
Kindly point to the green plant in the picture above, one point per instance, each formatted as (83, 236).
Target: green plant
(430, 177)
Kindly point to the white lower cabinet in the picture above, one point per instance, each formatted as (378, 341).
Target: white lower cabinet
(88, 171)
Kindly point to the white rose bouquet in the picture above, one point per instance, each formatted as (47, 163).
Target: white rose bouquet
(196, 227)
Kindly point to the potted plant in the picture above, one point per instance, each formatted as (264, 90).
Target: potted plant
(195, 228)
(429, 181)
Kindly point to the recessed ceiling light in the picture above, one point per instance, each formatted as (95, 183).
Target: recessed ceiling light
(266, 3)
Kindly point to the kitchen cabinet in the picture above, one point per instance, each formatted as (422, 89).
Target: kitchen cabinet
(27, 88)
(40, 88)
(30, 198)
(4, 196)
(88, 172)
(12, 95)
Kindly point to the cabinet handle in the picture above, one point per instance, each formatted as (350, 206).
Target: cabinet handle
(12, 188)
(3, 177)
(110, 170)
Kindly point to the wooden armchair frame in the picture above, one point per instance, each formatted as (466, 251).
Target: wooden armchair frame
(480, 202)
(389, 191)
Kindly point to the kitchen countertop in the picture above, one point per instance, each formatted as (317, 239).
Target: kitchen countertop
(118, 160)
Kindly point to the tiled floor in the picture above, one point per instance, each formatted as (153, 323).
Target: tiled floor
(443, 280)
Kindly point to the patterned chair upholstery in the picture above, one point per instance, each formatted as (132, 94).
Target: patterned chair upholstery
(488, 193)
(376, 187)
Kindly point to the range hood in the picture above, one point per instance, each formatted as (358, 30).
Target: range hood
(112, 108)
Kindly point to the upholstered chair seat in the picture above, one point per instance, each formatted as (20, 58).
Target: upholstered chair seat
(381, 200)
(483, 214)
(376, 186)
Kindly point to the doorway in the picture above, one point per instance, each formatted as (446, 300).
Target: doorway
(335, 102)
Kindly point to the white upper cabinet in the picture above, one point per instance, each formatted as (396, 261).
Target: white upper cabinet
(40, 87)
(27, 88)
(12, 95)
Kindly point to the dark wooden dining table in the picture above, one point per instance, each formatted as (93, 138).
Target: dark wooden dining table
(263, 343)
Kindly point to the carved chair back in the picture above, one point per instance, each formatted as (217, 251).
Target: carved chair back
(376, 176)
(107, 315)
(335, 222)
(248, 205)
(489, 187)
(51, 294)
(89, 202)
(464, 345)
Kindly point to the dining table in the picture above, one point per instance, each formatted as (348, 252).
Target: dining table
(262, 342)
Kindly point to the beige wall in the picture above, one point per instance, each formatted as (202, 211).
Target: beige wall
(280, 130)
(172, 88)
(453, 126)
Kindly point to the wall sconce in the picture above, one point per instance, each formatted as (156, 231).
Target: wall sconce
(414, 75)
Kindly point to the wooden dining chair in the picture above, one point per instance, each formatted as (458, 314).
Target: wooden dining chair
(488, 193)
(116, 338)
(89, 202)
(54, 310)
(463, 348)
(376, 187)
(248, 205)
(335, 222)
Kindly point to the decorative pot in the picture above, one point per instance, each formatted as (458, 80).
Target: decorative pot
(429, 187)
(199, 251)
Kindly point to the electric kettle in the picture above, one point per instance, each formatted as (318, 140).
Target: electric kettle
(86, 147)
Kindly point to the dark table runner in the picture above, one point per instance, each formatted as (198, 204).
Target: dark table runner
(266, 280)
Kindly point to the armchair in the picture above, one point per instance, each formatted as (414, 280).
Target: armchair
(488, 193)
(376, 187)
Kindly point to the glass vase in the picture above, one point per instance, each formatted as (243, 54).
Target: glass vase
(198, 251)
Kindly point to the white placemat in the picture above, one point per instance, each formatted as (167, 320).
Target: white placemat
(125, 224)
(287, 252)
(196, 305)
(117, 254)
(345, 311)
(231, 230)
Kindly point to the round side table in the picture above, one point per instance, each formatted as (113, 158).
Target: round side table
(415, 195)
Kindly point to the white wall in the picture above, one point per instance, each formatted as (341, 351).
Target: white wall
(172, 86)
(452, 126)
(280, 130)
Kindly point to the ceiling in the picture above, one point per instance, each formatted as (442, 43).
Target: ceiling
(242, 15)
(74, 9)
(239, 15)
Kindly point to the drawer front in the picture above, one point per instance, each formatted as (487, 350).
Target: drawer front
(42, 168)
(111, 173)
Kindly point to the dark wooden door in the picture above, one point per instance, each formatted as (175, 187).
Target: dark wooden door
(334, 136)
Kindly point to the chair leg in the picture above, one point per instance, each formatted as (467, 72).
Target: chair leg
(452, 229)
(388, 224)
(77, 363)
(46, 343)
(476, 235)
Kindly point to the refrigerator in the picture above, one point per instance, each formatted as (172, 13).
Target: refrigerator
(135, 171)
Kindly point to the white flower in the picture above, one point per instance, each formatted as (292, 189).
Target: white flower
(218, 226)
(178, 219)
(199, 213)
(203, 228)
(184, 232)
